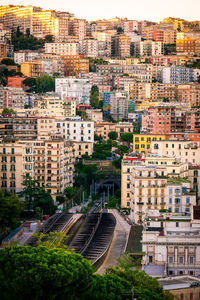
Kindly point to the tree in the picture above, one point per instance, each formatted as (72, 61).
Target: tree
(120, 30)
(30, 82)
(10, 208)
(7, 111)
(41, 84)
(145, 287)
(8, 62)
(127, 137)
(113, 135)
(36, 196)
(23, 41)
(44, 84)
(49, 38)
(94, 96)
(41, 273)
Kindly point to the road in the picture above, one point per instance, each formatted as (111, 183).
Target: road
(118, 244)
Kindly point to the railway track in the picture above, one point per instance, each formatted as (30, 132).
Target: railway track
(94, 236)
(57, 222)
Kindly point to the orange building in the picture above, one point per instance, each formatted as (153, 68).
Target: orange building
(16, 82)
(75, 64)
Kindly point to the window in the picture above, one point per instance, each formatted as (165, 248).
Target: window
(180, 259)
(191, 260)
(12, 159)
(170, 191)
(13, 150)
(170, 200)
(171, 259)
(4, 168)
(4, 150)
(150, 259)
(4, 159)
(188, 200)
(172, 145)
(177, 224)
(128, 185)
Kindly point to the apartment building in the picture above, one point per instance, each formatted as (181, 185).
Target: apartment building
(25, 55)
(184, 150)
(188, 46)
(165, 36)
(95, 115)
(148, 48)
(32, 68)
(119, 105)
(143, 142)
(154, 183)
(76, 130)
(51, 162)
(89, 47)
(68, 48)
(70, 87)
(75, 64)
(153, 91)
(27, 124)
(16, 82)
(12, 98)
(170, 244)
(177, 75)
(121, 45)
(51, 103)
(80, 132)
(189, 93)
(103, 129)
(109, 69)
(79, 28)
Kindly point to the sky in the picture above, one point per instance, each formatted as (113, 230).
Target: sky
(154, 10)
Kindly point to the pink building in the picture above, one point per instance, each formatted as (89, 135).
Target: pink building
(103, 89)
(159, 119)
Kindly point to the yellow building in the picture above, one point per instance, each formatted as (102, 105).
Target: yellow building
(32, 68)
(142, 142)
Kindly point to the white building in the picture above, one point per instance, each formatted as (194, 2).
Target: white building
(119, 105)
(70, 48)
(71, 87)
(177, 75)
(171, 245)
(25, 55)
(149, 48)
(89, 47)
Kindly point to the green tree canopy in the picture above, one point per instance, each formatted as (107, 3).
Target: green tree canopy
(36, 196)
(8, 62)
(127, 137)
(94, 96)
(23, 41)
(41, 84)
(41, 273)
(10, 208)
(7, 111)
(113, 135)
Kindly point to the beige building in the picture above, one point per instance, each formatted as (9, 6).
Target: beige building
(189, 93)
(95, 115)
(148, 184)
(185, 151)
(103, 129)
(49, 161)
(69, 48)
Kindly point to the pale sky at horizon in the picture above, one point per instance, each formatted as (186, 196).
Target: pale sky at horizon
(153, 10)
